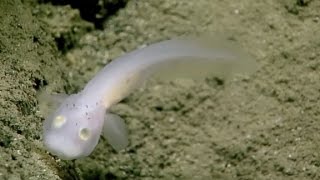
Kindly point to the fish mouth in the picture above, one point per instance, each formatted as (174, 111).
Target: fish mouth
(65, 151)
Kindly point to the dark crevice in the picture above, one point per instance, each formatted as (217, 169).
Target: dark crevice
(64, 44)
(39, 83)
(95, 11)
(303, 2)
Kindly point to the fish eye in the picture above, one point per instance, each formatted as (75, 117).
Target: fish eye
(84, 134)
(59, 121)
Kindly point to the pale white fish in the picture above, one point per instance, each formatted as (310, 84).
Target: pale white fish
(74, 129)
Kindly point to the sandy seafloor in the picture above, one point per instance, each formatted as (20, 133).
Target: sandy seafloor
(262, 126)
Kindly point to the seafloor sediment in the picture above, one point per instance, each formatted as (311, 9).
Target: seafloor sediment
(263, 126)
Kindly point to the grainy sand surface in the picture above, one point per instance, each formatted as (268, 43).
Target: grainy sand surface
(259, 127)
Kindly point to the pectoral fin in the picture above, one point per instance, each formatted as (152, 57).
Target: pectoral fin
(115, 131)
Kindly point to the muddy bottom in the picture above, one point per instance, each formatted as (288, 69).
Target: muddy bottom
(259, 126)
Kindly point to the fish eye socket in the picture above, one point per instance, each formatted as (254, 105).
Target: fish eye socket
(84, 133)
(59, 121)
